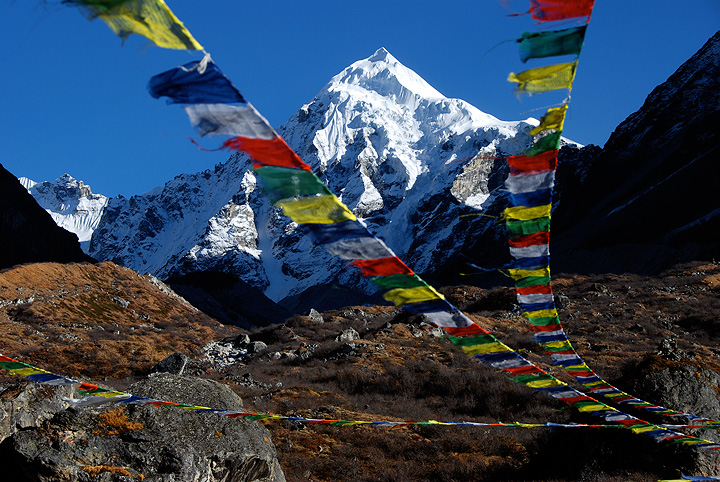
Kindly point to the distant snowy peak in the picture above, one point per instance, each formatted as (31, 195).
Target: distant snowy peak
(71, 203)
(382, 74)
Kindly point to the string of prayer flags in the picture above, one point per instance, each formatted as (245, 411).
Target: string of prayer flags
(93, 395)
(534, 45)
(544, 79)
(530, 185)
(150, 18)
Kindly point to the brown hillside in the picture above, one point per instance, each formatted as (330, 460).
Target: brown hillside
(97, 321)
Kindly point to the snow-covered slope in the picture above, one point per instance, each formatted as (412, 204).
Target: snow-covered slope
(406, 159)
(71, 204)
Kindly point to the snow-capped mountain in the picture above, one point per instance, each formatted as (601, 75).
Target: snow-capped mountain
(406, 159)
(71, 204)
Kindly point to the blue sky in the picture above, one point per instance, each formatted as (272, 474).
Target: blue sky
(75, 99)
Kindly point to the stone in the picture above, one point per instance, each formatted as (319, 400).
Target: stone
(348, 335)
(175, 364)
(256, 347)
(25, 404)
(315, 316)
(116, 442)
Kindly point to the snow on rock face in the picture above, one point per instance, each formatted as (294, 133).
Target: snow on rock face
(71, 204)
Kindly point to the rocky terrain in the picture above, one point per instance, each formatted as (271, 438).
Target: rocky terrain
(654, 336)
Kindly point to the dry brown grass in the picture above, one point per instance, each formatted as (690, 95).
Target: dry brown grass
(103, 322)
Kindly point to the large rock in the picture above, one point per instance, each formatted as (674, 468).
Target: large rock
(26, 404)
(684, 387)
(119, 442)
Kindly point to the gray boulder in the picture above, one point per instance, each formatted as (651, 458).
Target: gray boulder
(25, 404)
(117, 442)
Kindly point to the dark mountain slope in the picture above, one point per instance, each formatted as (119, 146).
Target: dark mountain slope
(28, 233)
(648, 199)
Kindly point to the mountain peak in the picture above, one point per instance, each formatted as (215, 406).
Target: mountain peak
(382, 74)
(381, 55)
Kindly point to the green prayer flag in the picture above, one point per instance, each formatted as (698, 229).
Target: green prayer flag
(551, 142)
(287, 182)
(521, 228)
(398, 281)
(535, 45)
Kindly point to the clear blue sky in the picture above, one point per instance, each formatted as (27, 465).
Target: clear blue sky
(74, 100)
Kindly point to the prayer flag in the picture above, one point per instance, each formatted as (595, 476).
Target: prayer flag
(547, 161)
(551, 10)
(533, 239)
(150, 18)
(544, 79)
(530, 182)
(399, 281)
(316, 209)
(231, 120)
(519, 228)
(533, 198)
(359, 248)
(522, 213)
(403, 296)
(554, 118)
(287, 182)
(531, 251)
(195, 83)
(550, 142)
(549, 43)
(274, 152)
(330, 233)
(382, 267)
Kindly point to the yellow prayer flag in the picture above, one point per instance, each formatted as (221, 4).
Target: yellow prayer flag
(554, 118)
(646, 428)
(494, 347)
(544, 79)
(26, 372)
(558, 344)
(403, 296)
(149, 18)
(522, 213)
(518, 274)
(541, 313)
(325, 209)
(544, 383)
(596, 407)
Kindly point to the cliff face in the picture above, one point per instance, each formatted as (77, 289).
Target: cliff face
(29, 234)
(648, 198)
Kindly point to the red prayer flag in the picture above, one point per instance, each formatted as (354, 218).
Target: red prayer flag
(524, 370)
(547, 161)
(382, 266)
(547, 328)
(535, 290)
(534, 239)
(465, 330)
(551, 10)
(273, 152)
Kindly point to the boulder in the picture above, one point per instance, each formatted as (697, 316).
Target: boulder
(117, 442)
